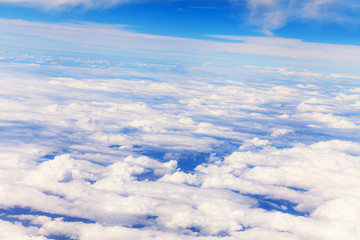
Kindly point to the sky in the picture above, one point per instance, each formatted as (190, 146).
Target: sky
(179, 119)
(311, 35)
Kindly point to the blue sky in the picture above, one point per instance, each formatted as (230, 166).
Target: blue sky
(149, 119)
(324, 30)
(327, 22)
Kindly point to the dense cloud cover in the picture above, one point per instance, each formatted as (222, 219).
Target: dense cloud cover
(146, 151)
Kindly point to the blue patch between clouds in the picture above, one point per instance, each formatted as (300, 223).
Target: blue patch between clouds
(298, 189)
(129, 130)
(270, 204)
(28, 211)
(194, 229)
(149, 220)
(54, 194)
(114, 146)
(59, 237)
(52, 155)
(49, 156)
(138, 225)
(187, 161)
(148, 174)
(222, 234)
(197, 231)
(24, 222)
(280, 205)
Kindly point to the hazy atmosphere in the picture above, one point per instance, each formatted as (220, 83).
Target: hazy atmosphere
(180, 119)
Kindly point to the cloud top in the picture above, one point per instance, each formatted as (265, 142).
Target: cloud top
(150, 151)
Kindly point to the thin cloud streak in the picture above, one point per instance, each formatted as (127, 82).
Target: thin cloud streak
(266, 15)
(270, 15)
(117, 37)
(61, 4)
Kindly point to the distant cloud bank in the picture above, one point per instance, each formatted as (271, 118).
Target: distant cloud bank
(117, 39)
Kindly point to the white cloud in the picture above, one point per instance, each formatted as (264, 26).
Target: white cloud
(181, 177)
(278, 132)
(314, 168)
(110, 39)
(331, 120)
(270, 15)
(113, 149)
(255, 142)
(18, 231)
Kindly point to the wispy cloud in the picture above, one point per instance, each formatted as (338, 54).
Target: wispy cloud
(266, 15)
(109, 39)
(270, 15)
(61, 4)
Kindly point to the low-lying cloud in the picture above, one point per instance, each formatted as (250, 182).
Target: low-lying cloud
(153, 152)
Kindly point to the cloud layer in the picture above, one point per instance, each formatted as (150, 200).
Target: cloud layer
(146, 151)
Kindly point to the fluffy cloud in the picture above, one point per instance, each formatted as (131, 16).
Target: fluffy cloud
(249, 194)
(143, 151)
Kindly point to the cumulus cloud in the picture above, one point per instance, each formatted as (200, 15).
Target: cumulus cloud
(100, 149)
(143, 151)
(278, 132)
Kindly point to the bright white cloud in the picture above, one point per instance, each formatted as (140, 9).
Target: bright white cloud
(278, 132)
(106, 150)
(147, 152)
